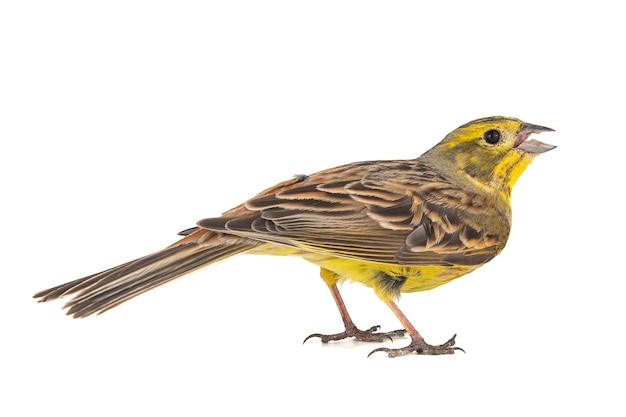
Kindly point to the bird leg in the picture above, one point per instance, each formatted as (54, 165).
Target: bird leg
(417, 345)
(369, 335)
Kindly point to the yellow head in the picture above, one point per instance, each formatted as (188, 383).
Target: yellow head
(490, 153)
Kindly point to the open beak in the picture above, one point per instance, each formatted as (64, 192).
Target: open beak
(532, 145)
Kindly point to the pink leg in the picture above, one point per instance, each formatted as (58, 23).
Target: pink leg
(351, 330)
(417, 345)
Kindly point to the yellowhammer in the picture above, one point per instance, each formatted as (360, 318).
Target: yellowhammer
(395, 226)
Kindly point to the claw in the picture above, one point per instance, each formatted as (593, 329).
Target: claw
(378, 350)
(321, 336)
(372, 329)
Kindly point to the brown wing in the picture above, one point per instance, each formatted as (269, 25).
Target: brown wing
(392, 212)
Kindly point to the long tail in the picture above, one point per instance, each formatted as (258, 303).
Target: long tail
(107, 289)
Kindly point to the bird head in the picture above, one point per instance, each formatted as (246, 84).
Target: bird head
(491, 152)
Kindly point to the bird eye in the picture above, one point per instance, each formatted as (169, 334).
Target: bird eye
(492, 136)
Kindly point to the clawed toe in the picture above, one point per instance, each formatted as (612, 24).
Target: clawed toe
(369, 335)
(419, 346)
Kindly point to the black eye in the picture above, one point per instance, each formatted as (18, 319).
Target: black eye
(492, 137)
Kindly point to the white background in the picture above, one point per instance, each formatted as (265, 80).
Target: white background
(125, 122)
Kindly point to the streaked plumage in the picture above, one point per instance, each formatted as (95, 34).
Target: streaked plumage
(396, 226)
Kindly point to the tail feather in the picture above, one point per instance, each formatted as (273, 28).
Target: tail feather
(107, 289)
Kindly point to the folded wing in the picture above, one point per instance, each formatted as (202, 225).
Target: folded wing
(392, 212)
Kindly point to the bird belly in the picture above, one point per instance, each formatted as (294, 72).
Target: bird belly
(387, 280)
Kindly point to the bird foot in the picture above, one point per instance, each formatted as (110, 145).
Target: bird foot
(420, 347)
(368, 335)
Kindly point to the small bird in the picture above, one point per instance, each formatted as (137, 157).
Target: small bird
(396, 226)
